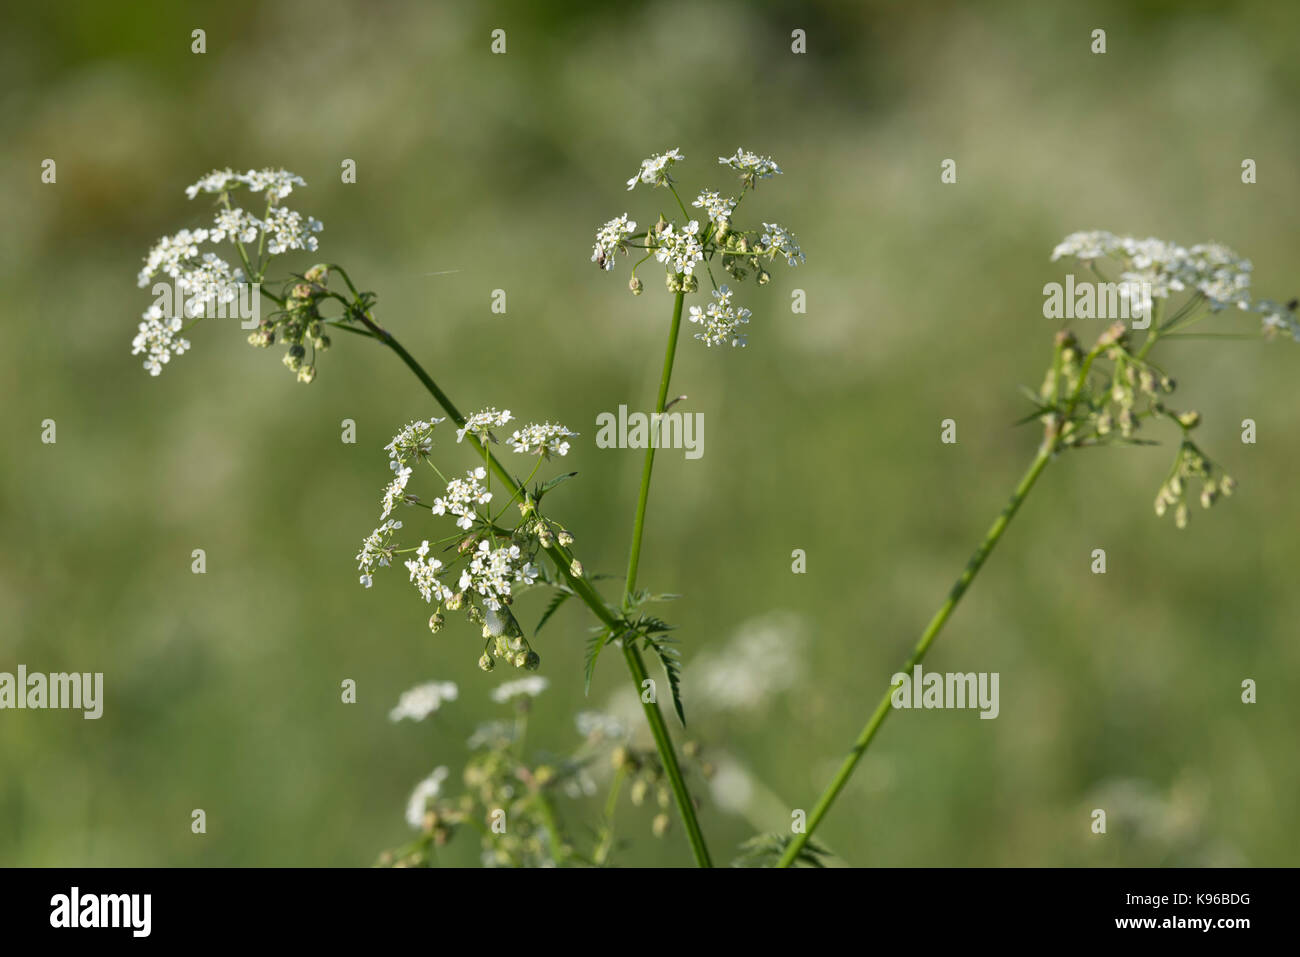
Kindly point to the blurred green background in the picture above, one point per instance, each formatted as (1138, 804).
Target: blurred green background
(924, 302)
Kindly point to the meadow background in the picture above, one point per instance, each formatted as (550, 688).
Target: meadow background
(924, 302)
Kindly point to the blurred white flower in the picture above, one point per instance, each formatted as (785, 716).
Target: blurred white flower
(423, 700)
(531, 687)
(763, 659)
(424, 792)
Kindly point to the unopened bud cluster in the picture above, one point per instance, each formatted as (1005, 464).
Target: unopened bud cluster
(298, 325)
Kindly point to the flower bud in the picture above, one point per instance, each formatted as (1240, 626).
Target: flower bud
(1180, 515)
(661, 824)
(576, 569)
(486, 663)
(532, 661)
(565, 539)
(318, 273)
(436, 622)
(301, 291)
(1227, 485)
(1189, 420)
(306, 373)
(634, 284)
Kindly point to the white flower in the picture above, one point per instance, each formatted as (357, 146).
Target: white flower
(1278, 318)
(237, 224)
(278, 183)
(545, 439)
(750, 165)
(721, 320)
(610, 238)
(1091, 244)
(376, 550)
(413, 441)
(423, 700)
(396, 489)
(424, 572)
(531, 686)
(1220, 275)
(680, 248)
(158, 338)
(480, 423)
(718, 207)
(219, 180)
(287, 231)
(170, 254)
(424, 792)
(492, 572)
(654, 171)
(779, 240)
(461, 497)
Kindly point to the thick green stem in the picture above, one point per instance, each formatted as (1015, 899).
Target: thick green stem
(922, 646)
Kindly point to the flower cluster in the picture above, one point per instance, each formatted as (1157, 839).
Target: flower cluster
(1106, 394)
(480, 564)
(720, 320)
(694, 245)
(206, 283)
(1211, 273)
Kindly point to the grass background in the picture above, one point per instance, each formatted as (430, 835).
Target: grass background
(1118, 691)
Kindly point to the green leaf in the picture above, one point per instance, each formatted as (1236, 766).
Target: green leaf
(543, 489)
(670, 658)
(766, 850)
(595, 645)
(555, 603)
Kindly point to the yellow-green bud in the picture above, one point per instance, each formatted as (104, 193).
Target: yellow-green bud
(436, 622)
(635, 285)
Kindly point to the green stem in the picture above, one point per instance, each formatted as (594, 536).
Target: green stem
(638, 527)
(635, 664)
(931, 632)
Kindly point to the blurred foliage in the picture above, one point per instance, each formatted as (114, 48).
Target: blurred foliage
(924, 302)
